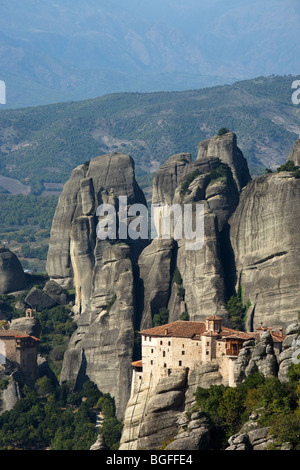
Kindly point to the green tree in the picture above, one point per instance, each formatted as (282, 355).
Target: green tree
(223, 131)
(161, 318)
(44, 386)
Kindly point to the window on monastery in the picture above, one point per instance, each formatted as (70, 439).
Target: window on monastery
(151, 351)
(182, 353)
(180, 363)
(207, 353)
(160, 343)
(165, 365)
(151, 362)
(164, 353)
(169, 343)
(183, 345)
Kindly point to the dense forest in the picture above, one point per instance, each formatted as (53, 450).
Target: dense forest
(25, 227)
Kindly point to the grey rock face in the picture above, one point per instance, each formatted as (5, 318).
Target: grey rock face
(225, 147)
(290, 351)
(155, 273)
(264, 232)
(39, 298)
(9, 396)
(256, 357)
(56, 292)
(151, 416)
(73, 254)
(101, 272)
(99, 444)
(31, 326)
(157, 416)
(102, 346)
(12, 277)
(14, 378)
(96, 269)
(294, 154)
(181, 182)
(197, 435)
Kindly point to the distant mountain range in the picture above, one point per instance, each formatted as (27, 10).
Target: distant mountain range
(70, 50)
(40, 146)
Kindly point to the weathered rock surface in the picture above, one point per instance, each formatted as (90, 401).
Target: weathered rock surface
(102, 346)
(157, 416)
(10, 394)
(294, 154)
(256, 439)
(179, 181)
(256, 357)
(151, 415)
(250, 235)
(31, 326)
(225, 147)
(155, 275)
(290, 351)
(73, 253)
(193, 435)
(265, 239)
(39, 298)
(56, 292)
(99, 444)
(12, 277)
(101, 272)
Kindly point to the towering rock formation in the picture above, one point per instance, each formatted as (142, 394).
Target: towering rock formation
(225, 147)
(101, 272)
(12, 277)
(213, 181)
(75, 254)
(265, 240)
(294, 154)
(120, 287)
(101, 348)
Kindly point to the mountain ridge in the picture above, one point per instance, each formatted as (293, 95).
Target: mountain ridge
(114, 46)
(43, 144)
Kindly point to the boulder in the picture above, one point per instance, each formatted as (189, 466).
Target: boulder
(39, 298)
(56, 292)
(12, 277)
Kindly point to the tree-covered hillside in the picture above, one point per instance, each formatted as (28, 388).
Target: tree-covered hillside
(43, 144)
(25, 227)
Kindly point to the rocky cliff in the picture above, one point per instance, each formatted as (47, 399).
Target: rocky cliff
(294, 155)
(250, 239)
(264, 233)
(101, 273)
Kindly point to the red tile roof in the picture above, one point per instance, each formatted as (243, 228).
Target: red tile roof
(16, 334)
(179, 328)
(191, 329)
